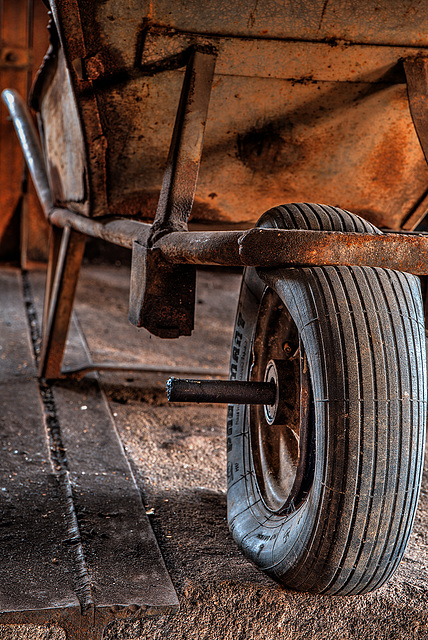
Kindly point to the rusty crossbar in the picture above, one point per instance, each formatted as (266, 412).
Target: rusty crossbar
(267, 248)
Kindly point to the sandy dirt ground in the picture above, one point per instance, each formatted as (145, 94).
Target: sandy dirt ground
(178, 455)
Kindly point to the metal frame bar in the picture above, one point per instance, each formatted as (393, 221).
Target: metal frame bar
(221, 391)
(134, 367)
(54, 250)
(185, 152)
(416, 72)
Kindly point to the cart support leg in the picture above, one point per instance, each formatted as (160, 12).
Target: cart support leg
(65, 258)
(55, 235)
(162, 296)
(416, 70)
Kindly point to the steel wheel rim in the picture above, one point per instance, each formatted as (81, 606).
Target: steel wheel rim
(283, 453)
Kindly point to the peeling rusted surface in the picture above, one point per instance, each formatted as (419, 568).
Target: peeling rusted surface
(162, 298)
(307, 61)
(311, 248)
(416, 69)
(162, 295)
(63, 142)
(90, 133)
(395, 22)
(199, 247)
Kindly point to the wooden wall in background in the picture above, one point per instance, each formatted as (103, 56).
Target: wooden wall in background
(24, 42)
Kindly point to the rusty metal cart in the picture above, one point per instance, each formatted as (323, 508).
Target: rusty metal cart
(310, 102)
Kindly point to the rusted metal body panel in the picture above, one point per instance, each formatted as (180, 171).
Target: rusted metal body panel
(395, 22)
(66, 161)
(268, 248)
(296, 113)
(281, 127)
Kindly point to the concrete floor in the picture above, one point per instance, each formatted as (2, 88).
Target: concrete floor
(179, 458)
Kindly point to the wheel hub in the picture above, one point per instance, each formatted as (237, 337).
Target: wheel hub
(275, 373)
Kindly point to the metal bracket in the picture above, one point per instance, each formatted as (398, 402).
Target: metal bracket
(162, 296)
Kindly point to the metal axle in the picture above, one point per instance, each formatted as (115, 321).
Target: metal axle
(221, 391)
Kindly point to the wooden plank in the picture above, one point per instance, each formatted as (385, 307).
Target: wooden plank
(24, 42)
(76, 547)
(35, 565)
(14, 33)
(122, 554)
(121, 551)
(34, 227)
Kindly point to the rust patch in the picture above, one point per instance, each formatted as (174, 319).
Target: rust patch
(303, 140)
(205, 212)
(386, 162)
(268, 148)
(142, 206)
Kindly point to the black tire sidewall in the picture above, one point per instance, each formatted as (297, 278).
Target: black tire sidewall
(296, 548)
(268, 539)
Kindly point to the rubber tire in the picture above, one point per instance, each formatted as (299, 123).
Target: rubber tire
(363, 332)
